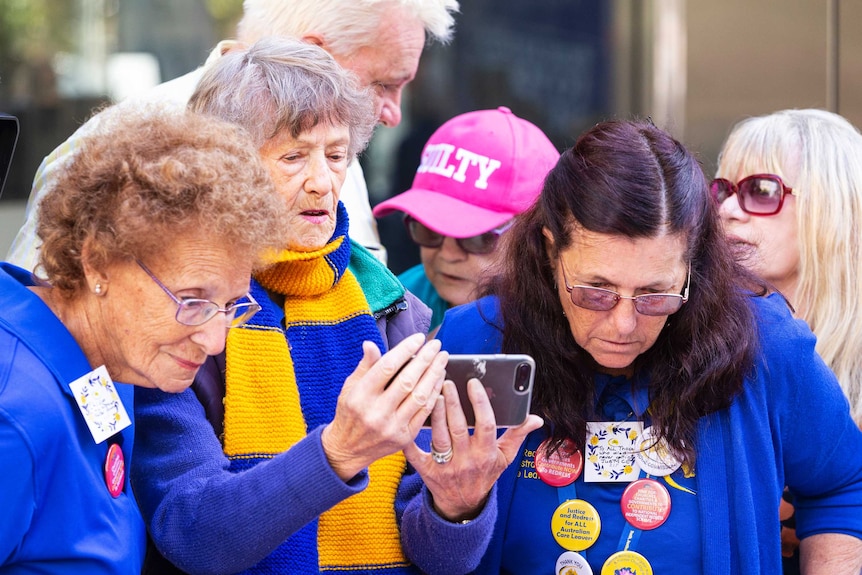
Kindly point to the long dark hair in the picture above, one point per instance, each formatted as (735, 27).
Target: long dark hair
(631, 179)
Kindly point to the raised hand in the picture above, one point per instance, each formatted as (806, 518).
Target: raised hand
(460, 483)
(383, 403)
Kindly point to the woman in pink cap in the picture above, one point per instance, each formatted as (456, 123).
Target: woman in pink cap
(478, 171)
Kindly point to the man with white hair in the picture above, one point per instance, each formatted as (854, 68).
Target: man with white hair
(380, 41)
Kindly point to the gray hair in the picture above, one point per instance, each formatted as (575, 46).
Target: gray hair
(282, 84)
(346, 25)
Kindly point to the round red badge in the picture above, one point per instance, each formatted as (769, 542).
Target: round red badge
(115, 470)
(561, 467)
(645, 504)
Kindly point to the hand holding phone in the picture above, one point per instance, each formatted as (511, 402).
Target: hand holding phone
(507, 379)
(459, 467)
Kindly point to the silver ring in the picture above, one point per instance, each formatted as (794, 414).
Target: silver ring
(438, 457)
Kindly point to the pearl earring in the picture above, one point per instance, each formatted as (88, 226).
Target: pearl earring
(97, 289)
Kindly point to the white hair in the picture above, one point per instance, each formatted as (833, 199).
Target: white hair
(345, 25)
(829, 219)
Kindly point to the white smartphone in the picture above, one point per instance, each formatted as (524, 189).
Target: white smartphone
(508, 381)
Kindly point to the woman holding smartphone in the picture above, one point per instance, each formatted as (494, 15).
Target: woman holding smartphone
(287, 453)
(669, 382)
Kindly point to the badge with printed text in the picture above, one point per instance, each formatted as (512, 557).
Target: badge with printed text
(571, 563)
(654, 456)
(626, 563)
(610, 451)
(645, 504)
(115, 470)
(576, 525)
(562, 467)
(100, 404)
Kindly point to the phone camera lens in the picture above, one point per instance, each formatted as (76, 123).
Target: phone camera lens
(522, 377)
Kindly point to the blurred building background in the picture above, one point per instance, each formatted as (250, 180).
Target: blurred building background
(695, 67)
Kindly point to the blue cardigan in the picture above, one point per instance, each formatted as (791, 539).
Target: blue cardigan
(56, 514)
(789, 426)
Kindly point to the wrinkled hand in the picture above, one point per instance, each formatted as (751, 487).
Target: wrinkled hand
(460, 487)
(374, 418)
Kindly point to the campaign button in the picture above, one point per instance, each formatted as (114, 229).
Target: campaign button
(561, 467)
(627, 562)
(654, 456)
(645, 504)
(571, 563)
(115, 470)
(576, 525)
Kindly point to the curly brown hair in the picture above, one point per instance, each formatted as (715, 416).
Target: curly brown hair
(147, 174)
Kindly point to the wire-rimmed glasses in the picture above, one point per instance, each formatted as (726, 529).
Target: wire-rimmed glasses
(195, 311)
(600, 299)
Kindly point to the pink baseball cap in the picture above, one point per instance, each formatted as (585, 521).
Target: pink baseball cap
(478, 171)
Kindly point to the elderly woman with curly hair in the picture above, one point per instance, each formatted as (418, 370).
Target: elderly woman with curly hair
(147, 255)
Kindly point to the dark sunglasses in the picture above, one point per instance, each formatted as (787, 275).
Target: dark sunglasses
(479, 245)
(758, 195)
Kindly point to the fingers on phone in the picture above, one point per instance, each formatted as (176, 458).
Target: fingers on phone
(417, 386)
(455, 417)
(439, 431)
(389, 370)
(438, 414)
(482, 409)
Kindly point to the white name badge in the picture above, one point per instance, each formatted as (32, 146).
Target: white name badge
(610, 451)
(100, 404)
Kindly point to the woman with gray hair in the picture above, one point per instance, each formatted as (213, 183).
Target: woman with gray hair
(301, 396)
(147, 254)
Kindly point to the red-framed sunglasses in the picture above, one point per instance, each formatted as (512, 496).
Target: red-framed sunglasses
(758, 195)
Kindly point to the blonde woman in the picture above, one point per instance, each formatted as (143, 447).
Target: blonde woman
(809, 247)
(789, 186)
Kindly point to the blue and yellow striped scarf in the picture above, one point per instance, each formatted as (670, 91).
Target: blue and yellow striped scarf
(284, 380)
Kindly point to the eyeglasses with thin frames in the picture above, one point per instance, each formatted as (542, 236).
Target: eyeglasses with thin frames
(758, 195)
(194, 311)
(600, 299)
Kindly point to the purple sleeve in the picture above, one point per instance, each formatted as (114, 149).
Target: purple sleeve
(202, 517)
(438, 546)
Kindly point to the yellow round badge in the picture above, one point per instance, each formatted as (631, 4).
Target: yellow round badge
(626, 563)
(576, 525)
